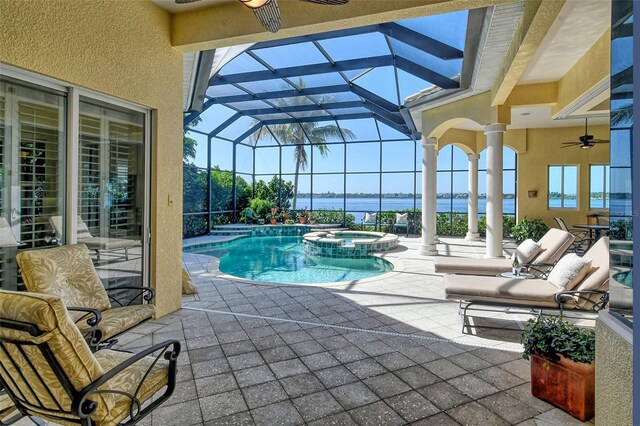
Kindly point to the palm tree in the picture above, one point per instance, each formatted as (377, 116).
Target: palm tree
(298, 133)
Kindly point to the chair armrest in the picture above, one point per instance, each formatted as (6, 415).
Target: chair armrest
(84, 407)
(95, 316)
(147, 293)
(584, 295)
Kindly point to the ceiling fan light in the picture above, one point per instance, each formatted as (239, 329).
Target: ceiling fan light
(255, 4)
(586, 146)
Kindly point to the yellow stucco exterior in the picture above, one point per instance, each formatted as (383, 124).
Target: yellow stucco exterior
(121, 49)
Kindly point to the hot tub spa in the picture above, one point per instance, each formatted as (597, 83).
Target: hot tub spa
(347, 244)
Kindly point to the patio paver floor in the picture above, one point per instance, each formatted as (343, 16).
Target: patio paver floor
(385, 351)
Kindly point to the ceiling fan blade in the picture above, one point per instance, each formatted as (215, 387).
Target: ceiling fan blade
(185, 1)
(571, 143)
(330, 2)
(269, 16)
(600, 141)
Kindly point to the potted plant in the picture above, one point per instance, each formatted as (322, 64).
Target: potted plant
(273, 215)
(289, 222)
(302, 217)
(562, 364)
(285, 215)
(312, 221)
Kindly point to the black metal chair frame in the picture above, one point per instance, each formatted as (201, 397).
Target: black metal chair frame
(508, 308)
(82, 406)
(582, 238)
(94, 316)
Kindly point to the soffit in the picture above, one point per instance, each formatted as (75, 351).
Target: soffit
(539, 117)
(579, 25)
(172, 7)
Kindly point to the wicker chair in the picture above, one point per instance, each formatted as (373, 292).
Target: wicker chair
(49, 371)
(68, 272)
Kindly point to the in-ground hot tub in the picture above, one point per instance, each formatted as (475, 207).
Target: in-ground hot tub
(347, 244)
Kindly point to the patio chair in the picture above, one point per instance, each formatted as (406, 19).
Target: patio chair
(9, 413)
(583, 238)
(49, 372)
(7, 238)
(402, 222)
(95, 243)
(68, 272)
(370, 219)
(534, 295)
(553, 245)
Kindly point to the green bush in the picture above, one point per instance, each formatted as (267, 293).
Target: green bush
(261, 208)
(551, 336)
(194, 225)
(529, 228)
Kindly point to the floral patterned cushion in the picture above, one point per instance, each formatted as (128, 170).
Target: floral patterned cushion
(116, 320)
(66, 272)
(65, 341)
(129, 379)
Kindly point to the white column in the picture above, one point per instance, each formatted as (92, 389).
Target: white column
(495, 141)
(428, 246)
(472, 198)
(434, 184)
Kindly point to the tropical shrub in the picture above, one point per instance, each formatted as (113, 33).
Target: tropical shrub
(551, 336)
(261, 207)
(529, 228)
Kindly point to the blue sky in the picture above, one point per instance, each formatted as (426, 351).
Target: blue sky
(398, 154)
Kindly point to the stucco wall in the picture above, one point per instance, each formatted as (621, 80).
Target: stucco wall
(121, 48)
(544, 149)
(614, 377)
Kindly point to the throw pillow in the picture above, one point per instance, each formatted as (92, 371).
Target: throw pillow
(188, 287)
(370, 217)
(569, 271)
(402, 219)
(527, 250)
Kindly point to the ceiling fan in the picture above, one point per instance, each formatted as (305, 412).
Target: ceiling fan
(267, 11)
(587, 141)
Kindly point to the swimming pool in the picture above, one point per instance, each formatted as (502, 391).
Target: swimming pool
(281, 259)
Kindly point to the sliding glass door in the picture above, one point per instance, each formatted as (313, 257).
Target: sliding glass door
(73, 168)
(32, 171)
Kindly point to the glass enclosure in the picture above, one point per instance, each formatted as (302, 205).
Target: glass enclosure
(622, 207)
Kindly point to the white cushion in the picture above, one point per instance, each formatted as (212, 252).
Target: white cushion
(569, 271)
(370, 217)
(402, 219)
(527, 250)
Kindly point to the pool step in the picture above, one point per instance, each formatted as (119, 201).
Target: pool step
(230, 232)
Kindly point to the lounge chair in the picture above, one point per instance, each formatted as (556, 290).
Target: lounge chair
(553, 244)
(7, 238)
(583, 238)
(95, 243)
(370, 219)
(402, 222)
(49, 371)
(536, 295)
(68, 272)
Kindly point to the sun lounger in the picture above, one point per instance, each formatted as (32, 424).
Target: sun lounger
(95, 243)
(553, 244)
(590, 294)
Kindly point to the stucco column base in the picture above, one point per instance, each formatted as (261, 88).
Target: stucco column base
(428, 250)
(472, 236)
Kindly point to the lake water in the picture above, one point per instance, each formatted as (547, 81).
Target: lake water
(357, 206)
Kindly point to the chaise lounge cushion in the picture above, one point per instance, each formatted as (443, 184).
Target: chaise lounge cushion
(598, 276)
(471, 266)
(534, 292)
(554, 243)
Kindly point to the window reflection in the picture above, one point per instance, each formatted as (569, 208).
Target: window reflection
(622, 210)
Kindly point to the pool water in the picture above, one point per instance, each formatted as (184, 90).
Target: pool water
(282, 260)
(624, 278)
